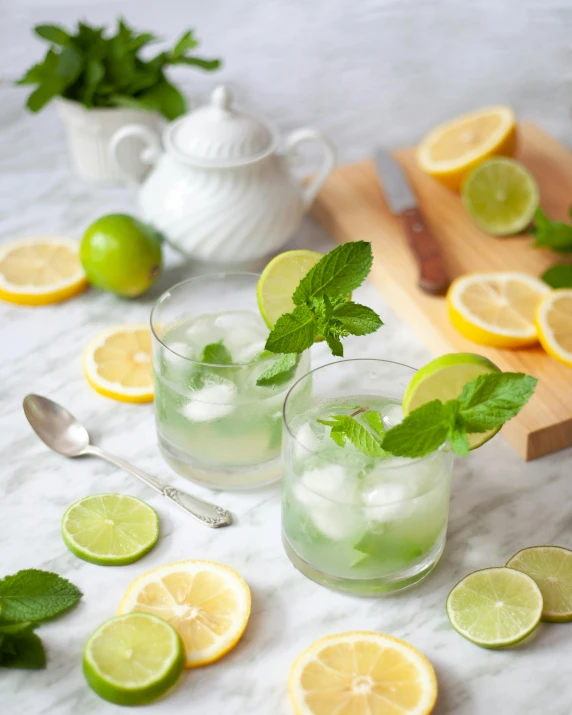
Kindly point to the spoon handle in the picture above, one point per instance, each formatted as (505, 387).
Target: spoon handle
(205, 512)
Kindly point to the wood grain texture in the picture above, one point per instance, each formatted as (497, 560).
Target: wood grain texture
(351, 207)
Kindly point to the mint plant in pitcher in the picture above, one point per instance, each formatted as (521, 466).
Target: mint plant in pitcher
(228, 347)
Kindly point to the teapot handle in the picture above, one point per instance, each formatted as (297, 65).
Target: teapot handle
(149, 154)
(301, 136)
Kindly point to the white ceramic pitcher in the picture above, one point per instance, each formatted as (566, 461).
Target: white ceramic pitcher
(220, 190)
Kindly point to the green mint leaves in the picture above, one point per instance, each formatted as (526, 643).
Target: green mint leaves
(552, 234)
(484, 404)
(26, 598)
(216, 354)
(558, 276)
(322, 305)
(280, 371)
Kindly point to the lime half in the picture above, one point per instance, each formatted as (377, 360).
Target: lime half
(551, 569)
(133, 659)
(501, 196)
(279, 280)
(443, 379)
(110, 529)
(495, 607)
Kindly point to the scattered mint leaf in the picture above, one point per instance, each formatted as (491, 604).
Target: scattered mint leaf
(338, 273)
(345, 427)
(423, 431)
(216, 354)
(294, 332)
(491, 400)
(357, 319)
(14, 628)
(558, 276)
(22, 651)
(552, 234)
(375, 421)
(34, 595)
(280, 371)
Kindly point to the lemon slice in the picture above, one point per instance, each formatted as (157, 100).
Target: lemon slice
(42, 270)
(279, 280)
(452, 150)
(117, 363)
(551, 569)
(501, 196)
(496, 309)
(554, 324)
(207, 603)
(362, 673)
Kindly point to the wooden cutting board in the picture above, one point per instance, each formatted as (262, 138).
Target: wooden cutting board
(351, 206)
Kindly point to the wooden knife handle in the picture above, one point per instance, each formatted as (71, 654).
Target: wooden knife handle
(433, 276)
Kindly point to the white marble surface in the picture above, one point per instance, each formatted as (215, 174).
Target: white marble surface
(499, 504)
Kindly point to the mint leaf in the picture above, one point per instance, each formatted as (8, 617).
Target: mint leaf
(15, 628)
(216, 354)
(294, 332)
(280, 371)
(491, 400)
(558, 276)
(22, 651)
(338, 273)
(423, 431)
(374, 420)
(335, 344)
(357, 319)
(344, 427)
(552, 234)
(458, 440)
(34, 595)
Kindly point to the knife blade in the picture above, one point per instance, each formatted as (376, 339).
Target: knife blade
(433, 277)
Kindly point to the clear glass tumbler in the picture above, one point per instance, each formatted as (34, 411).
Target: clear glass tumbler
(355, 523)
(215, 424)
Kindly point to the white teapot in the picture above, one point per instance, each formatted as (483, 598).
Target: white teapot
(220, 191)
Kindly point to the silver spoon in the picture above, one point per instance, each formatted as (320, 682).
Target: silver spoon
(60, 430)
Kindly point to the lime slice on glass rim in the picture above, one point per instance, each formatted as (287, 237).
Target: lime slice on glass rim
(495, 607)
(110, 529)
(501, 196)
(443, 379)
(133, 659)
(551, 568)
(279, 280)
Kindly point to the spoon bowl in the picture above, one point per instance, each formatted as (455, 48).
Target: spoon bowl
(55, 426)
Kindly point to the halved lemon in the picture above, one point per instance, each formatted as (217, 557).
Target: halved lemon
(554, 324)
(117, 363)
(40, 270)
(496, 309)
(207, 603)
(452, 150)
(362, 673)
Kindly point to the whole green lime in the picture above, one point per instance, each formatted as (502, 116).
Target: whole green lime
(121, 254)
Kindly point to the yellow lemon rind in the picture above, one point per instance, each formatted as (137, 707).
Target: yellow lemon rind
(545, 335)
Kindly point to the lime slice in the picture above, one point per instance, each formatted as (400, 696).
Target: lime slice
(133, 659)
(279, 280)
(501, 196)
(110, 529)
(551, 569)
(443, 379)
(495, 607)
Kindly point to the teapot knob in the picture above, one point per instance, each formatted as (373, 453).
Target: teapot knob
(222, 98)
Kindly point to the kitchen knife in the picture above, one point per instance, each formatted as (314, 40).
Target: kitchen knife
(402, 201)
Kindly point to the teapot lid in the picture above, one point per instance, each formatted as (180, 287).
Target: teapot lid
(219, 135)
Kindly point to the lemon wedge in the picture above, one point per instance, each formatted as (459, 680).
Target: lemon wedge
(452, 150)
(42, 270)
(362, 673)
(554, 324)
(496, 309)
(207, 603)
(118, 363)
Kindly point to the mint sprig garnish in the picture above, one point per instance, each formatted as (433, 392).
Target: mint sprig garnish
(26, 598)
(485, 403)
(322, 305)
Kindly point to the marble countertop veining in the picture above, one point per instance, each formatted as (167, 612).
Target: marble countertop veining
(499, 504)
